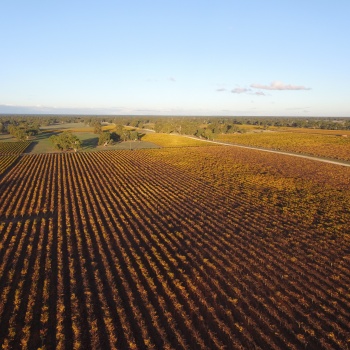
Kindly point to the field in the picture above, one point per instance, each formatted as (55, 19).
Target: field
(89, 140)
(174, 248)
(171, 140)
(322, 143)
(9, 152)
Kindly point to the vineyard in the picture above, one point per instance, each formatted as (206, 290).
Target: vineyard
(174, 248)
(171, 140)
(9, 152)
(317, 144)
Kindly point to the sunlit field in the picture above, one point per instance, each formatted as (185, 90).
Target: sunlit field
(171, 140)
(9, 152)
(330, 145)
(183, 247)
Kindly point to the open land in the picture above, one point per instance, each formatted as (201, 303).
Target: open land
(187, 246)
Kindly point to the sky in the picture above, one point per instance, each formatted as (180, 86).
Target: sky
(175, 57)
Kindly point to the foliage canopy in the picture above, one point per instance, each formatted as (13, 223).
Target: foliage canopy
(66, 141)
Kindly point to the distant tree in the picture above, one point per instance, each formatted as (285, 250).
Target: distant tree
(97, 128)
(17, 132)
(134, 122)
(130, 135)
(209, 134)
(96, 124)
(23, 131)
(125, 135)
(234, 128)
(119, 129)
(115, 137)
(11, 129)
(104, 138)
(66, 141)
(20, 134)
(31, 131)
(29, 134)
(167, 127)
(189, 127)
(134, 135)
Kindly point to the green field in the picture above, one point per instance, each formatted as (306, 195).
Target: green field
(42, 144)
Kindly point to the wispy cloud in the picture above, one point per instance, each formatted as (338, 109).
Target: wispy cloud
(278, 85)
(172, 79)
(242, 90)
(239, 90)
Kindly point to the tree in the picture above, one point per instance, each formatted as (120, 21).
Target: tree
(134, 135)
(115, 137)
(135, 123)
(17, 132)
(23, 130)
(118, 128)
(209, 134)
(104, 138)
(107, 137)
(200, 132)
(66, 141)
(189, 127)
(97, 128)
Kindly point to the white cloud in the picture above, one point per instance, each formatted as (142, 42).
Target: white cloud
(221, 89)
(278, 85)
(239, 90)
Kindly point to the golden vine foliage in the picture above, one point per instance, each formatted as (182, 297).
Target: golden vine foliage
(174, 248)
(171, 140)
(9, 152)
(329, 145)
(11, 148)
(5, 162)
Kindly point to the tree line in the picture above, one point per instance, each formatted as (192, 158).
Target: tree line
(22, 131)
(23, 127)
(332, 123)
(67, 141)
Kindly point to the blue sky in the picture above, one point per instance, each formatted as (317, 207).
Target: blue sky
(253, 57)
